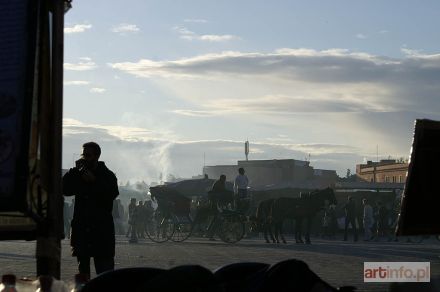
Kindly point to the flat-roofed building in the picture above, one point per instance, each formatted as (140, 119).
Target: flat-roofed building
(281, 172)
(384, 171)
(215, 171)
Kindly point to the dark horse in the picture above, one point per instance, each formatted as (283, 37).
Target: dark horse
(299, 209)
(262, 221)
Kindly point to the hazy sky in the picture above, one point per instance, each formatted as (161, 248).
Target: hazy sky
(160, 83)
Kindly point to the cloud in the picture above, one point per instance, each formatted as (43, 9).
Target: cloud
(324, 149)
(330, 97)
(76, 82)
(85, 64)
(418, 55)
(217, 38)
(300, 80)
(186, 34)
(194, 113)
(123, 133)
(98, 90)
(281, 104)
(361, 36)
(125, 28)
(195, 20)
(301, 64)
(77, 28)
(143, 154)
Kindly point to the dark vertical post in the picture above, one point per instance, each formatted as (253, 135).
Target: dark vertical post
(56, 212)
(50, 231)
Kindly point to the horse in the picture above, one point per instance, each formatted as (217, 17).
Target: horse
(299, 209)
(262, 221)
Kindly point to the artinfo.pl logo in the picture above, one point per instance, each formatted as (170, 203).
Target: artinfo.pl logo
(397, 272)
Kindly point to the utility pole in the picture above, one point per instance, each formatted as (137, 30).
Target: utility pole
(377, 152)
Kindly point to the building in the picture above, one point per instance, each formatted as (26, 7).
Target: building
(215, 171)
(276, 173)
(384, 171)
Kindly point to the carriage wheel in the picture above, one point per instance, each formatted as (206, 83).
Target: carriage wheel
(183, 227)
(231, 229)
(160, 228)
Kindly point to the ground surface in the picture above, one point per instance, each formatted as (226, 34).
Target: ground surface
(337, 262)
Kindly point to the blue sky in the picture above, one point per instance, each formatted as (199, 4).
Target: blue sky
(160, 83)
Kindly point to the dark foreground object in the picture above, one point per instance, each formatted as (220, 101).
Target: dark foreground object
(289, 275)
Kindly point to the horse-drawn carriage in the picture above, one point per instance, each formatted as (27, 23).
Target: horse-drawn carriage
(172, 207)
(173, 220)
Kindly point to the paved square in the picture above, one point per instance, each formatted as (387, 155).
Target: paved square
(338, 262)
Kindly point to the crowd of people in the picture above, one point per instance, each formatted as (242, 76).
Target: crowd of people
(137, 218)
(129, 220)
(375, 219)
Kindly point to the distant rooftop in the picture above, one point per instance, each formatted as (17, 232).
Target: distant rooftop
(382, 162)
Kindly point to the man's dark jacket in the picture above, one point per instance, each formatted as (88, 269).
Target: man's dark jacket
(350, 209)
(93, 232)
(219, 194)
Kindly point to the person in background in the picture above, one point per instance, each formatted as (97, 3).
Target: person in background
(131, 207)
(382, 220)
(149, 211)
(350, 218)
(218, 190)
(122, 216)
(66, 219)
(241, 184)
(133, 221)
(368, 220)
(330, 220)
(141, 224)
(118, 216)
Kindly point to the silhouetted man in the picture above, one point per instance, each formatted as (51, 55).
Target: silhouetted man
(219, 194)
(382, 220)
(141, 225)
(220, 184)
(94, 187)
(241, 183)
(350, 218)
(118, 217)
(218, 189)
(368, 220)
(67, 217)
(133, 221)
(131, 207)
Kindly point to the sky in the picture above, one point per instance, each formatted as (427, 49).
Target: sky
(166, 87)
